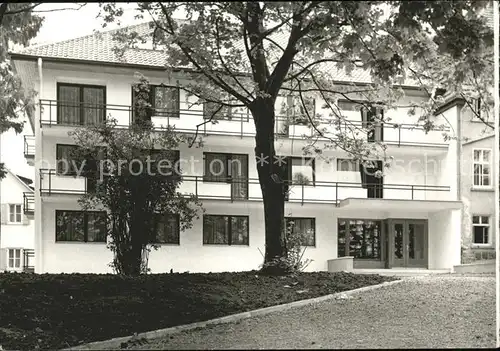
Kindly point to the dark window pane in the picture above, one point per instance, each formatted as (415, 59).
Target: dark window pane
(216, 167)
(166, 101)
(167, 229)
(66, 164)
(302, 171)
(359, 238)
(93, 105)
(96, 226)
(480, 235)
(305, 227)
(347, 165)
(239, 230)
(347, 105)
(341, 238)
(238, 170)
(215, 229)
(68, 105)
(70, 226)
(141, 103)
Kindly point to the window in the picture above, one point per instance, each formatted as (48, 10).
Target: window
(306, 227)
(220, 167)
(296, 112)
(482, 167)
(220, 111)
(166, 162)
(80, 104)
(164, 101)
(14, 259)
(359, 238)
(347, 105)
(66, 163)
(370, 181)
(347, 165)
(301, 170)
(225, 230)
(371, 119)
(82, 226)
(15, 214)
(476, 109)
(166, 229)
(480, 228)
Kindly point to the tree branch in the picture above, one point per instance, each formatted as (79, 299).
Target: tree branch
(257, 58)
(215, 79)
(3, 9)
(217, 40)
(202, 124)
(276, 79)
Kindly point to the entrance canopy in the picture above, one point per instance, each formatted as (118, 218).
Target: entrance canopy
(399, 205)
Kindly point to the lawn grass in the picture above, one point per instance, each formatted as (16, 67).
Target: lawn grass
(53, 311)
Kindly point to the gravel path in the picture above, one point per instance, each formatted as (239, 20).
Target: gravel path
(426, 312)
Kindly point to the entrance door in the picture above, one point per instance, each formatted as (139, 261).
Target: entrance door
(409, 243)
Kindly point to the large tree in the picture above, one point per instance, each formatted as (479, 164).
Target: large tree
(245, 54)
(134, 175)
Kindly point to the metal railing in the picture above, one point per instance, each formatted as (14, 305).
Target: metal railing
(28, 203)
(249, 189)
(240, 124)
(28, 258)
(29, 146)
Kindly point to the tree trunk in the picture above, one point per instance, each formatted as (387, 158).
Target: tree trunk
(128, 248)
(272, 185)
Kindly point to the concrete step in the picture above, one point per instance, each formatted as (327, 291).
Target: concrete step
(402, 272)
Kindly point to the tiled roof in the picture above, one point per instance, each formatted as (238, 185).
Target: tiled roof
(98, 47)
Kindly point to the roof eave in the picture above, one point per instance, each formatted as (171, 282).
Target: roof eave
(17, 56)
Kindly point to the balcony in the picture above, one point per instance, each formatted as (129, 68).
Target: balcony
(29, 203)
(249, 190)
(237, 124)
(29, 149)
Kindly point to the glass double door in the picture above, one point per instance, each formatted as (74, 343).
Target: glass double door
(408, 241)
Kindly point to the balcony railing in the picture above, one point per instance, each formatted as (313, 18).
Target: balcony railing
(249, 189)
(29, 146)
(29, 261)
(236, 124)
(28, 203)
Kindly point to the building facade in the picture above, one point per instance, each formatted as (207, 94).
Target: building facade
(411, 217)
(17, 232)
(477, 190)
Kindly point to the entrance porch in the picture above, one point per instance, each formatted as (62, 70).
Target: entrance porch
(398, 235)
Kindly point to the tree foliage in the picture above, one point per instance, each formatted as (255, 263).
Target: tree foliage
(247, 54)
(18, 25)
(136, 176)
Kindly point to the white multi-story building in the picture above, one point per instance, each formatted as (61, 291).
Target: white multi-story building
(17, 233)
(410, 218)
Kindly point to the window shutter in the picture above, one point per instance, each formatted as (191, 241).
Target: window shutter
(3, 259)
(4, 213)
(25, 219)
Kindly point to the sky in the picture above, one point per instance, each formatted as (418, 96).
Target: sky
(57, 26)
